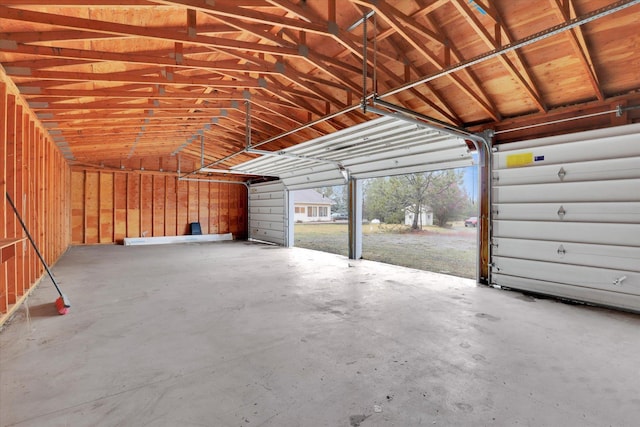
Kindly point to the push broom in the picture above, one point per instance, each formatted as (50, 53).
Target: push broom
(62, 303)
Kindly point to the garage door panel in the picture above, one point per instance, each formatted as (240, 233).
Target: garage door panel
(266, 203)
(399, 161)
(266, 217)
(603, 256)
(597, 296)
(570, 172)
(571, 152)
(623, 212)
(575, 275)
(414, 169)
(315, 184)
(275, 196)
(272, 210)
(626, 190)
(305, 178)
(401, 146)
(266, 225)
(596, 233)
(267, 235)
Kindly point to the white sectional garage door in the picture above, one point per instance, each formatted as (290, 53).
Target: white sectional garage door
(379, 147)
(566, 216)
(267, 208)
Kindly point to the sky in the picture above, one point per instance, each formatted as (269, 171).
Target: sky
(470, 180)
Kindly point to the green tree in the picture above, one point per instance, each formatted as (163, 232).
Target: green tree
(388, 198)
(419, 186)
(446, 198)
(384, 199)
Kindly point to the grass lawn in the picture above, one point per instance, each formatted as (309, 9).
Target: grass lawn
(441, 250)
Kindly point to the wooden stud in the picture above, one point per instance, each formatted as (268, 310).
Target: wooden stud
(3, 204)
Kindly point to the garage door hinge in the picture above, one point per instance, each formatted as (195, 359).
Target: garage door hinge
(494, 267)
(561, 250)
(562, 173)
(495, 177)
(561, 212)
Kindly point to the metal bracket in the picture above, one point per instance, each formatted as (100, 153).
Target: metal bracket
(561, 250)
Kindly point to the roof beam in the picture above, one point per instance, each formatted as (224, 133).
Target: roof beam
(131, 30)
(168, 79)
(79, 3)
(230, 9)
(226, 67)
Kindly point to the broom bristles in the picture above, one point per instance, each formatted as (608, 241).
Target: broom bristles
(61, 307)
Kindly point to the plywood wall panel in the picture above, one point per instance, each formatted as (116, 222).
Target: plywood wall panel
(133, 205)
(120, 206)
(146, 205)
(77, 207)
(158, 205)
(223, 217)
(170, 211)
(107, 211)
(214, 212)
(151, 164)
(203, 205)
(193, 201)
(91, 206)
(182, 208)
(136, 204)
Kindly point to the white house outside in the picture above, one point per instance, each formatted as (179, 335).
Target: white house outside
(310, 206)
(426, 216)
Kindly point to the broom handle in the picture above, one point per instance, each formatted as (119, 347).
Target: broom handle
(34, 244)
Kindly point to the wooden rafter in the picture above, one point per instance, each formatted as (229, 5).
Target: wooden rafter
(518, 69)
(131, 30)
(440, 106)
(396, 20)
(566, 10)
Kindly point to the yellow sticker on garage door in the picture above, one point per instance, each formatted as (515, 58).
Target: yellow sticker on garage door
(515, 160)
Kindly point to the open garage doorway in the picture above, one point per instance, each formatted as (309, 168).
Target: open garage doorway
(426, 221)
(321, 219)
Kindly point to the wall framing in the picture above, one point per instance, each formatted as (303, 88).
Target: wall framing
(37, 177)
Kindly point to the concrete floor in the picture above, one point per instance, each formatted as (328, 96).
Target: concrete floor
(241, 334)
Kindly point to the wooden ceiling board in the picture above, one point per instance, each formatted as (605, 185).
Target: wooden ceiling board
(98, 74)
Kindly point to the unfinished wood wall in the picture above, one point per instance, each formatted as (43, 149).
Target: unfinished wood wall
(108, 206)
(37, 178)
